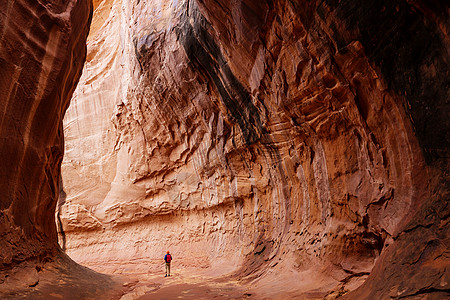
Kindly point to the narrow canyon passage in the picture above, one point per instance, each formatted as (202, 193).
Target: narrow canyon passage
(278, 149)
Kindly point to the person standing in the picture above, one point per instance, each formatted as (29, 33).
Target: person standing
(167, 259)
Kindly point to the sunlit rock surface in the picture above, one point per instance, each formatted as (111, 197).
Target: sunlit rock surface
(301, 145)
(290, 139)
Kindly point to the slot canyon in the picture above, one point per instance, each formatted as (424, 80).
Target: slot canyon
(280, 149)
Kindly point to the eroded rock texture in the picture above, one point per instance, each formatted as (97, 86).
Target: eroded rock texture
(42, 51)
(302, 140)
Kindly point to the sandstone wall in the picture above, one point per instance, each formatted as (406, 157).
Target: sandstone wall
(300, 137)
(42, 51)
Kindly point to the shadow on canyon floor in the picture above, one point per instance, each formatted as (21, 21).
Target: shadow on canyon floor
(204, 284)
(64, 279)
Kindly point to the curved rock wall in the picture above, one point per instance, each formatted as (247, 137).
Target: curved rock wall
(42, 50)
(284, 137)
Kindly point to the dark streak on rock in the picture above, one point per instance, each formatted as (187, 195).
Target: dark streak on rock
(34, 284)
(206, 57)
(61, 201)
(443, 293)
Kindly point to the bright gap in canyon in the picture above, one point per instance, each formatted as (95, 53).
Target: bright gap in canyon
(279, 149)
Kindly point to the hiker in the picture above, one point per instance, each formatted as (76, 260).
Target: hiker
(167, 259)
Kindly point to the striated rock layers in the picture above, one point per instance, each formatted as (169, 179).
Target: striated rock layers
(304, 141)
(42, 51)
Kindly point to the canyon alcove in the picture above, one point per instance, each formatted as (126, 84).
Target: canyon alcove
(278, 149)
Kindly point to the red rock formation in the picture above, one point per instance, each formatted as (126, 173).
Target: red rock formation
(276, 133)
(42, 51)
(300, 141)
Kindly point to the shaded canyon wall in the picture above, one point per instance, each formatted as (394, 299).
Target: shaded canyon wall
(42, 51)
(303, 137)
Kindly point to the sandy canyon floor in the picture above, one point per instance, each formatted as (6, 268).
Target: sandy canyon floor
(203, 284)
(63, 280)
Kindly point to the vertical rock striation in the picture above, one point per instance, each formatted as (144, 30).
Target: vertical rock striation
(265, 137)
(42, 51)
